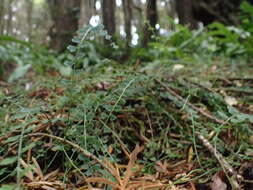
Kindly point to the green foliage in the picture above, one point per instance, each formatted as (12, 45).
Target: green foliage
(8, 187)
(246, 24)
(117, 106)
(8, 161)
(247, 16)
(17, 57)
(84, 51)
(5, 38)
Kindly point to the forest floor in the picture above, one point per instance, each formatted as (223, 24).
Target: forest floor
(150, 126)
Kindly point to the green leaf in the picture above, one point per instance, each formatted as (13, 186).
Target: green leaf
(65, 71)
(28, 147)
(8, 187)
(19, 72)
(8, 161)
(12, 39)
(12, 139)
(72, 49)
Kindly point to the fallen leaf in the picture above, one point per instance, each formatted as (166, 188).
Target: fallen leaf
(177, 67)
(231, 100)
(218, 183)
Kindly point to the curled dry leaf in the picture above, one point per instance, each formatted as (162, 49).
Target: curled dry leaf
(177, 67)
(231, 100)
(218, 183)
(104, 85)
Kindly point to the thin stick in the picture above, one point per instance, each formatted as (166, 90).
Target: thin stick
(209, 116)
(222, 161)
(75, 146)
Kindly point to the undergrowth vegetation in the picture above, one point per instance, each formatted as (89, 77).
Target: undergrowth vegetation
(91, 116)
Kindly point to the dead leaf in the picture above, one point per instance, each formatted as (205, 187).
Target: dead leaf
(214, 68)
(231, 100)
(190, 154)
(177, 67)
(218, 183)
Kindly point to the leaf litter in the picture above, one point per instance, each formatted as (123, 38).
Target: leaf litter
(191, 138)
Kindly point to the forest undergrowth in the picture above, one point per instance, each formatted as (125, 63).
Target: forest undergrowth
(186, 129)
(178, 116)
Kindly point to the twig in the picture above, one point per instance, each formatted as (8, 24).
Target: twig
(19, 158)
(75, 146)
(236, 90)
(199, 85)
(222, 161)
(9, 134)
(209, 116)
(236, 78)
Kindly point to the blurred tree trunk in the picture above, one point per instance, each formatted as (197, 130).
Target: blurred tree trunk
(2, 16)
(185, 13)
(64, 14)
(9, 21)
(152, 18)
(139, 16)
(86, 12)
(192, 11)
(108, 7)
(225, 11)
(29, 18)
(127, 7)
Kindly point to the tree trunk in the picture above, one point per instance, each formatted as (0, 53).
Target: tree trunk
(192, 11)
(185, 13)
(29, 18)
(109, 16)
(2, 11)
(152, 18)
(225, 11)
(10, 15)
(85, 12)
(64, 14)
(127, 7)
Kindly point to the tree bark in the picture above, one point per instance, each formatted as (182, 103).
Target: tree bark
(185, 13)
(29, 18)
(192, 11)
(10, 15)
(64, 14)
(108, 7)
(152, 18)
(2, 11)
(127, 7)
(215, 10)
(85, 12)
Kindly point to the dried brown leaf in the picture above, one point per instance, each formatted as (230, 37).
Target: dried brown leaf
(37, 168)
(27, 167)
(218, 183)
(102, 180)
(130, 165)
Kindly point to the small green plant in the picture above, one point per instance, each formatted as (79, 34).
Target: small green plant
(17, 57)
(84, 51)
(246, 24)
(227, 39)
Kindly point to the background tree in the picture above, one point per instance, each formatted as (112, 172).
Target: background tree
(2, 16)
(64, 15)
(108, 7)
(10, 15)
(152, 18)
(127, 7)
(29, 18)
(192, 11)
(86, 12)
(225, 11)
(185, 13)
